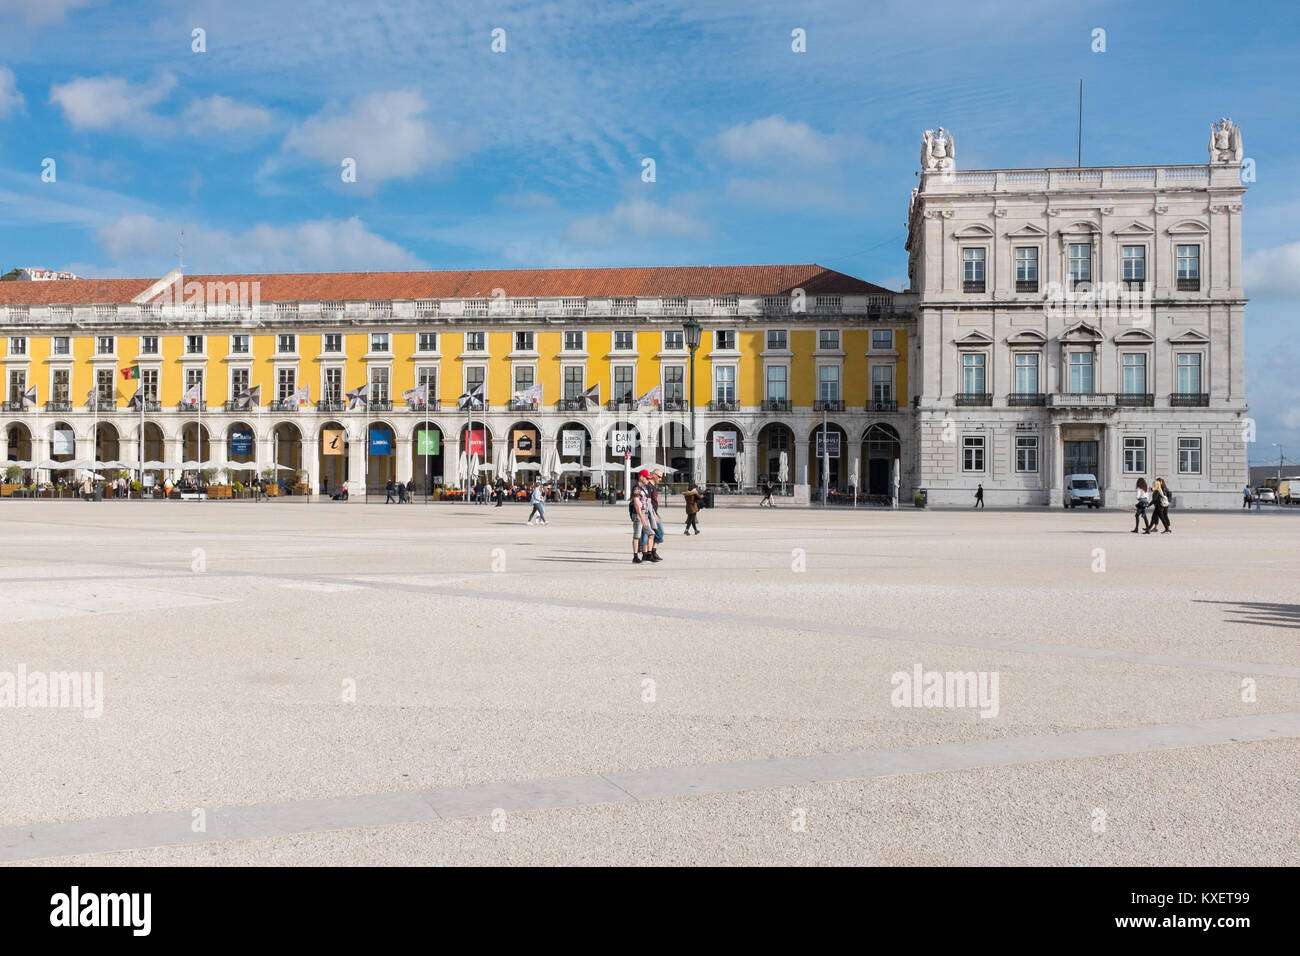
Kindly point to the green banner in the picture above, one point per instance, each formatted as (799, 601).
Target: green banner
(428, 443)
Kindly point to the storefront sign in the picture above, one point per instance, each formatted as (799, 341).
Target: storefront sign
(623, 441)
(724, 444)
(381, 441)
(241, 442)
(526, 443)
(573, 441)
(428, 442)
(474, 442)
(63, 441)
(833, 445)
(331, 441)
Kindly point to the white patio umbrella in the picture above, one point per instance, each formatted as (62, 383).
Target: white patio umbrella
(572, 468)
(51, 465)
(854, 477)
(191, 465)
(740, 472)
(20, 464)
(154, 465)
(783, 468)
(462, 468)
(527, 466)
(550, 463)
(79, 463)
(896, 481)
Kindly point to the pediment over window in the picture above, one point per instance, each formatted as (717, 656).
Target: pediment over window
(1027, 231)
(1031, 337)
(1188, 227)
(975, 338)
(1082, 332)
(1134, 337)
(1136, 229)
(1080, 227)
(974, 231)
(1190, 337)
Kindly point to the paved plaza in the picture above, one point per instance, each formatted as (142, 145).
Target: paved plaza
(292, 683)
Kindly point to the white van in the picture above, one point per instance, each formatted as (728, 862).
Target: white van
(1082, 490)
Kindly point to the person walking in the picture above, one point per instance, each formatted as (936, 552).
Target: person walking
(655, 534)
(1245, 497)
(767, 493)
(979, 496)
(1160, 500)
(693, 497)
(538, 499)
(639, 510)
(1140, 512)
(501, 492)
(389, 488)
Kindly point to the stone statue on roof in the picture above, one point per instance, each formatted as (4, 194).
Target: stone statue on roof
(1225, 142)
(937, 150)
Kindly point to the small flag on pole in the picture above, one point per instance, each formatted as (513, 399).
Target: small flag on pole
(472, 399)
(249, 398)
(418, 396)
(653, 397)
(29, 397)
(301, 397)
(191, 396)
(130, 373)
(357, 398)
(90, 397)
(591, 397)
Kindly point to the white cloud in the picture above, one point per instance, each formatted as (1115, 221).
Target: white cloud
(107, 102)
(639, 217)
(11, 101)
(1272, 272)
(384, 132)
(776, 139)
(221, 114)
(37, 12)
(327, 245)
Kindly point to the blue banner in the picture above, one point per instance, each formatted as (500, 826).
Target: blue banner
(241, 442)
(381, 441)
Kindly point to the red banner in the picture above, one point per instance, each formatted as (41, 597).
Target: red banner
(474, 443)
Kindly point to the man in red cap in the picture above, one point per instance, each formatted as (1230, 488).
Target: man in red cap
(641, 512)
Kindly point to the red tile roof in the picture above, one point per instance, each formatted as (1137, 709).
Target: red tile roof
(516, 283)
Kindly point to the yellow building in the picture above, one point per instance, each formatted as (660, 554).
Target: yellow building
(576, 368)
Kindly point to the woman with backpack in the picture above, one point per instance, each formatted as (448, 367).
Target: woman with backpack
(1140, 513)
(1160, 500)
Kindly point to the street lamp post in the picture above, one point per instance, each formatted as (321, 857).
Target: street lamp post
(1279, 463)
(692, 330)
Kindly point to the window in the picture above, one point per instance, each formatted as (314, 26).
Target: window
(828, 383)
(333, 342)
(148, 345)
(674, 341)
(61, 386)
(17, 345)
(882, 340)
(1189, 456)
(194, 376)
(777, 383)
(1188, 260)
(286, 383)
(333, 385)
(286, 344)
(778, 340)
(61, 345)
(828, 340)
(1189, 372)
(239, 344)
(1027, 270)
(1027, 373)
(1135, 456)
(1080, 263)
(724, 340)
(238, 382)
(379, 386)
(105, 386)
(972, 373)
(426, 342)
(574, 341)
(17, 385)
(1026, 454)
(149, 384)
(428, 375)
(523, 341)
(193, 345)
(972, 270)
(972, 453)
(104, 345)
(724, 383)
(475, 341)
(674, 383)
(574, 382)
(624, 341)
(1081, 373)
(524, 377)
(379, 341)
(882, 383)
(1134, 263)
(1135, 373)
(623, 383)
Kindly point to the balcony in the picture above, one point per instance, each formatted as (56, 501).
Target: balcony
(571, 405)
(1135, 400)
(414, 405)
(186, 406)
(675, 405)
(1082, 400)
(828, 405)
(1026, 285)
(331, 405)
(724, 405)
(14, 406)
(58, 406)
(1189, 400)
(1134, 285)
(380, 405)
(1189, 285)
(285, 405)
(776, 404)
(234, 405)
(972, 285)
(1026, 399)
(882, 405)
(621, 404)
(973, 398)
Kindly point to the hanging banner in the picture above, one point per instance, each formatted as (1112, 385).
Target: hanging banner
(241, 442)
(724, 444)
(428, 442)
(474, 442)
(623, 441)
(573, 441)
(381, 441)
(832, 449)
(63, 441)
(331, 441)
(526, 443)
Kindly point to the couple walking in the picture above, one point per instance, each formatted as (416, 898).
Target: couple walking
(1158, 498)
(647, 525)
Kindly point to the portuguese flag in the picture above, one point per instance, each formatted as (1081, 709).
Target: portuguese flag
(131, 372)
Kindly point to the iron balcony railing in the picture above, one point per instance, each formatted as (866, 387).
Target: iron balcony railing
(776, 404)
(882, 405)
(192, 406)
(285, 405)
(381, 405)
(1135, 399)
(1189, 285)
(1082, 400)
(973, 398)
(675, 405)
(517, 405)
(63, 406)
(1026, 285)
(1023, 399)
(331, 405)
(14, 406)
(724, 405)
(1189, 399)
(972, 286)
(828, 405)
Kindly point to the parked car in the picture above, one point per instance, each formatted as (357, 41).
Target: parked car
(1265, 495)
(1288, 490)
(1082, 490)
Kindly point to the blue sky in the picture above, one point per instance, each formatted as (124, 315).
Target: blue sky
(468, 158)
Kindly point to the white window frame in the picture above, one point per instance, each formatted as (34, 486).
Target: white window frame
(973, 445)
(1134, 455)
(1195, 445)
(1026, 445)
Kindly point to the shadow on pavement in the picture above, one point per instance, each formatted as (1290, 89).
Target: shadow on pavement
(1258, 612)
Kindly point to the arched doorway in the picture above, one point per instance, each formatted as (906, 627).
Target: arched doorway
(241, 446)
(619, 438)
(381, 456)
(723, 447)
(63, 442)
(195, 443)
(107, 444)
(675, 447)
(427, 447)
(774, 440)
(20, 443)
(286, 440)
(334, 451)
(880, 449)
(835, 451)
